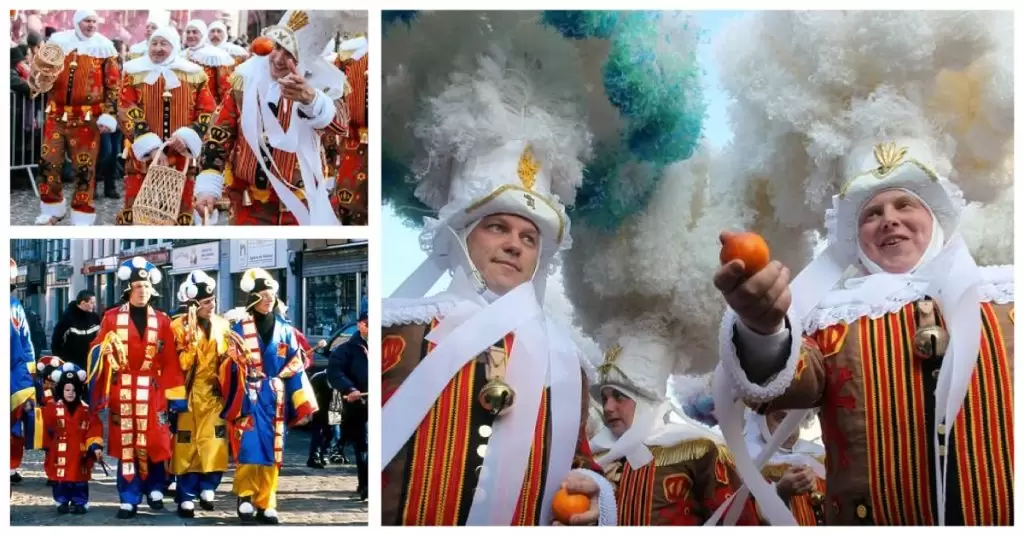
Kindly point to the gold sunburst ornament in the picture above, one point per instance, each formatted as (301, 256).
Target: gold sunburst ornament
(298, 20)
(610, 357)
(528, 168)
(888, 156)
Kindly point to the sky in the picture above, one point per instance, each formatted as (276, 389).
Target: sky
(401, 251)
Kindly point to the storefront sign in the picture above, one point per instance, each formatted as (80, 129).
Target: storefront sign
(247, 254)
(106, 264)
(198, 257)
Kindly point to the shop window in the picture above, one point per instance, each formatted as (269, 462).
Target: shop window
(331, 303)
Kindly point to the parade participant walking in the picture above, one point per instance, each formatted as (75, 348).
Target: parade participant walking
(73, 335)
(23, 390)
(216, 63)
(268, 129)
(80, 106)
(164, 110)
(265, 390)
(348, 374)
(218, 36)
(665, 473)
(348, 156)
(200, 438)
(73, 440)
(134, 371)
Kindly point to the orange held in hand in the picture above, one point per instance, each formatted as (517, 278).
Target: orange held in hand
(262, 46)
(568, 504)
(747, 247)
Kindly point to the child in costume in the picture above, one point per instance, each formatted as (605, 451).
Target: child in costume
(73, 440)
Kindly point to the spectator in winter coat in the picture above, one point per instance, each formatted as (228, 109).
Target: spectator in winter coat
(347, 372)
(76, 330)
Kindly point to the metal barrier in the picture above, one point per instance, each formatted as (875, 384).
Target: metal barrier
(27, 117)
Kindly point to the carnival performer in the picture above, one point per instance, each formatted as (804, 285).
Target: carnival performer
(268, 129)
(216, 63)
(797, 469)
(200, 439)
(155, 21)
(73, 440)
(80, 106)
(483, 353)
(665, 473)
(218, 36)
(164, 111)
(134, 371)
(894, 331)
(347, 156)
(23, 390)
(265, 390)
(45, 393)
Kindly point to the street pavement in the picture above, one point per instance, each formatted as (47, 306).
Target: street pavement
(305, 496)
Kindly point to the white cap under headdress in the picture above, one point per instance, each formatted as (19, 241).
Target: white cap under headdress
(96, 46)
(877, 115)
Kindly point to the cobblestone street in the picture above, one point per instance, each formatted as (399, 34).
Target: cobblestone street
(305, 496)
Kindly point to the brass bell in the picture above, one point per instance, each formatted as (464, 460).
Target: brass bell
(930, 342)
(817, 498)
(497, 397)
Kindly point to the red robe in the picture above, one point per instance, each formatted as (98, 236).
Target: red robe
(67, 440)
(139, 392)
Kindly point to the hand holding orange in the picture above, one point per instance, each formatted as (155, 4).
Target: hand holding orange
(747, 247)
(565, 505)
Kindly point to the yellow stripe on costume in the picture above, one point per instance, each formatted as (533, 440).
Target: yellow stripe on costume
(19, 398)
(175, 393)
(299, 397)
(94, 365)
(37, 435)
(31, 367)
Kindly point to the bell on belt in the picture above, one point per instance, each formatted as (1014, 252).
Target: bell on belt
(497, 397)
(817, 498)
(930, 342)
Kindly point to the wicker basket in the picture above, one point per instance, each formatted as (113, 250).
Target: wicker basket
(49, 59)
(159, 199)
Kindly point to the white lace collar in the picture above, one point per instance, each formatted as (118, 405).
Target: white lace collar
(876, 295)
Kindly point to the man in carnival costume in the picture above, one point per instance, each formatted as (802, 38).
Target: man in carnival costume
(479, 379)
(218, 37)
(200, 438)
(268, 129)
(23, 390)
(155, 21)
(80, 106)
(893, 331)
(666, 473)
(265, 390)
(164, 110)
(134, 371)
(216, 63)
(797, 469)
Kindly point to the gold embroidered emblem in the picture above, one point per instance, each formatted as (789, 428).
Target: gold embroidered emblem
(888, 156)
(298, 20)
(528, 168)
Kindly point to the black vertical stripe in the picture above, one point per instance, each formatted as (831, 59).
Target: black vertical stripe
(896, 454)
(910, 388)
(880, 432)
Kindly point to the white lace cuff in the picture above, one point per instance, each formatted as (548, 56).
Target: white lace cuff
(608, 515)
(730, 363)
(108, 121)
(191, 139)
(210, 183)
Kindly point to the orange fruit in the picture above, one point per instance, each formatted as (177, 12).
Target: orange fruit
(262, 46)
(566, 505)
(747, 247)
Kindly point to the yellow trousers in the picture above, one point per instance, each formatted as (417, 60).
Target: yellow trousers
(258, 482)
